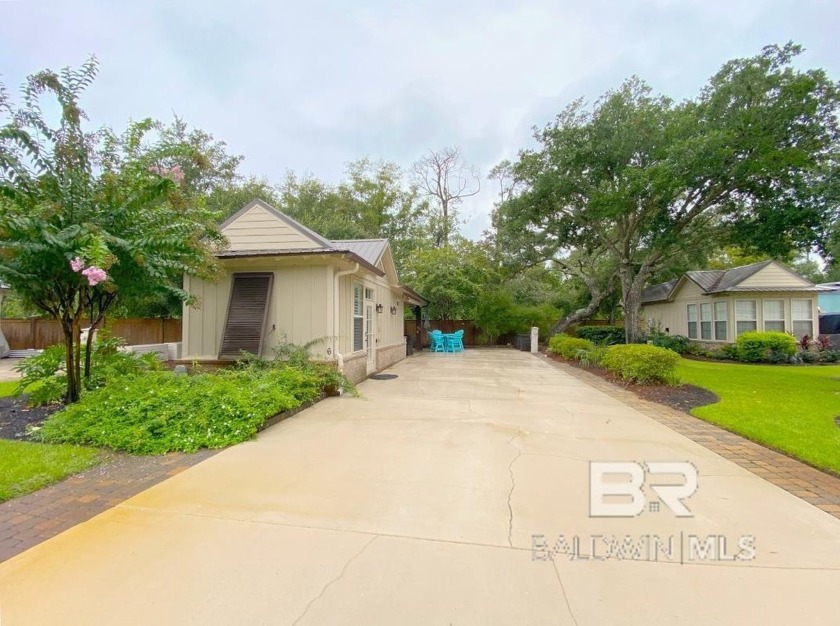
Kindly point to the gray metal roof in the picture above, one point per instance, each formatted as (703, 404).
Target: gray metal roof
(369, 249)
(719, 281)
(658, 293)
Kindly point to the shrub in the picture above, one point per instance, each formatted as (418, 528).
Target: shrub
(677, 343)
(765, 347)
(44, 379)
(593, 356)
(609, 335)
(642, 363)
(727, 352)
(157, 412)
(568, 347)
(830, 356)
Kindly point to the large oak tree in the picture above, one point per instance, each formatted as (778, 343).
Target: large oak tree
(752, 161)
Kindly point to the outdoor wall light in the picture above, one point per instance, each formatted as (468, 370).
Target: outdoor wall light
(379, 308)
(393, 310)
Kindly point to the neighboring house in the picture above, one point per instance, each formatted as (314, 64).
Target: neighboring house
(829, 300)
(285, 283)
(718, 305)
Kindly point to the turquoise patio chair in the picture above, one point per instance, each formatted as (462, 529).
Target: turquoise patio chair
(458, 341)
(437, 340)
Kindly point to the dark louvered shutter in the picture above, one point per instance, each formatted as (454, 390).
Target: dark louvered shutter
(247, 311)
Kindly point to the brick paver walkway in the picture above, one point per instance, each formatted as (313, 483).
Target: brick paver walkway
(31, 519)
(816, 487)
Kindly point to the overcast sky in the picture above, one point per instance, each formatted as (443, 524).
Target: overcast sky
(308, 86)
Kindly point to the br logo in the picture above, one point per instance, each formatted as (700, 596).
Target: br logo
(616, 487)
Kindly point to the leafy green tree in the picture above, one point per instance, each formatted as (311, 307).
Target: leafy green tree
(91, 217)
(752, 160)
(372, 201)
(452, 278)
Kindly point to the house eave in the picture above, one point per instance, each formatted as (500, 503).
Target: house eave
(346, 254)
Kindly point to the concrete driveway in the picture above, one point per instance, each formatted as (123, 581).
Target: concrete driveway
(438, 498)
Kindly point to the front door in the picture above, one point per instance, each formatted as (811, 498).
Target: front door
(370, 338)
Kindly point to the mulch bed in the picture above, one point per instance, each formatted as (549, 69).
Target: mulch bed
(16, 418)
(682, 398)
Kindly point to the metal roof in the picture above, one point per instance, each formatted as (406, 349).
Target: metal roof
(658, 293)
(370, 250)
(721, 281)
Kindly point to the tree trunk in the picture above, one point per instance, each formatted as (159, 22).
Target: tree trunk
(631, 299)
(89, 350)
(77, 340)
(580, 314)
(633, 331)
(72, 393)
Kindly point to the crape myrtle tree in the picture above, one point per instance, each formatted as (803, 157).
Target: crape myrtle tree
(88, 217)
(751, 161)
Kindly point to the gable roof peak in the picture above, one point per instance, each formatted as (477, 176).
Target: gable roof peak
(289, 221)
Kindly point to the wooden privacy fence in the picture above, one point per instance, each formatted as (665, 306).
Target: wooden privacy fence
(37, 333)
(474, 337)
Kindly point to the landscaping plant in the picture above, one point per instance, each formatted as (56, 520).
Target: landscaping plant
(44, 375)
(642, 363)
(88, 216)
(609, 335)
(765, 347)
(158, 412)
(568, 347)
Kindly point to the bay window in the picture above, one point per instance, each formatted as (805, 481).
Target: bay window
(721, 320)
(706, 321)
(691, 310)
(774, 315)
(745, 316)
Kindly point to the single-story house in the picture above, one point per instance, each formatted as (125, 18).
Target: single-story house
(829, 299)
(718, 305)
(282, 282)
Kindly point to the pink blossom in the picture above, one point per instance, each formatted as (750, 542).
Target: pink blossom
(176, 174)
(77, 264)
(94, 275)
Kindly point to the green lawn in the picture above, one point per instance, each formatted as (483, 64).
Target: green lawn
(789, 408)
(25, 466)
(7, 387)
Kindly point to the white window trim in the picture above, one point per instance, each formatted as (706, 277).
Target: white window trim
(696, 321)
(755, 319)
(783, 319)
(710, 321)
(354, 316)
(715, 320)
(793, 320)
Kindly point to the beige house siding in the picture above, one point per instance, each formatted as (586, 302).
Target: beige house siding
(302, 307)
(774, 277)
(204, 323)
(674, 316)
(257, 229)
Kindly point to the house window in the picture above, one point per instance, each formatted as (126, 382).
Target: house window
(721, 319)
(745, 316)
(368, 293)
(802, 316)
(706, 321)
(358, 318)
(774, 315)
(692, 321)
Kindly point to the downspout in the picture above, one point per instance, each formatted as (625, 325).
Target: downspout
(339, 359)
